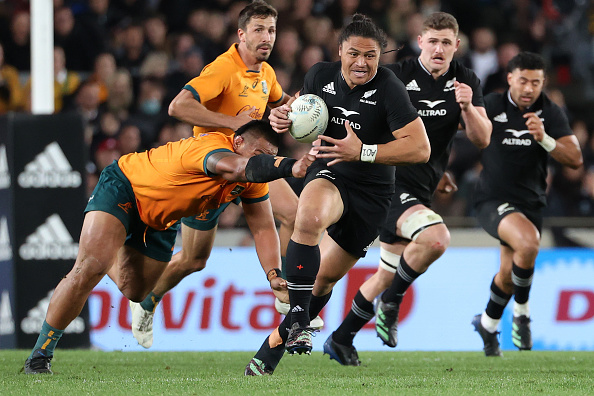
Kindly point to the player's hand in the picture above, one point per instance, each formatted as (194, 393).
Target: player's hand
(347, 149)
(279, 119)
(243, 118)
(279, 288)
(447, 185)
(463, 94)
(300, 167)
(535, 126)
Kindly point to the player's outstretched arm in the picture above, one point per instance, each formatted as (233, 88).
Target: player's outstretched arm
(260, 168)
(186, 108)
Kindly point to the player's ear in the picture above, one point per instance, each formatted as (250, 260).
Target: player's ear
(238, 141)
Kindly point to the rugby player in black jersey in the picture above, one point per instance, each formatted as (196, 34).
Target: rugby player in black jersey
(511, 192)
(413, 236)
(372, 126)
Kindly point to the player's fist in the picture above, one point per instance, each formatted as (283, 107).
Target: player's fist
(300, 167)
(463, 94)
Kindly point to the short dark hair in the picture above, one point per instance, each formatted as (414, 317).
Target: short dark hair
(526, 61)
(256, 9)
(441, 21)
(363, 26)
(259, 128)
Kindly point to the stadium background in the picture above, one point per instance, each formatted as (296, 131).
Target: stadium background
(124, 60)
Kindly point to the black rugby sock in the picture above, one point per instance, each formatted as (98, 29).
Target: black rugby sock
(361, 312)
(403, 278)
(303, 263)
(522, 280)
(497, 302)
(270, 356)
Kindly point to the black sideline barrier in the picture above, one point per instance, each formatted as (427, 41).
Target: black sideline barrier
(42, 198)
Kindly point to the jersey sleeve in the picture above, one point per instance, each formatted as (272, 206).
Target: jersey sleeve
(309, 79)
(203, 146)
(399, 109)
(557, 124)
(214, 79)
(469, 78)
(255, 192)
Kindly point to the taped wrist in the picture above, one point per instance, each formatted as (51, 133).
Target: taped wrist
(263, 168)
(548, 143)
(273, 273)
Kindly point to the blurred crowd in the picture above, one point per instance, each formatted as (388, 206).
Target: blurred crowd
(120, 62)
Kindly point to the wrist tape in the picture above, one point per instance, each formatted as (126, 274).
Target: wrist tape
(548, 143)
(368, 152)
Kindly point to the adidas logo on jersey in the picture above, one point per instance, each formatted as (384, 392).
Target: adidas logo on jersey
(6, 318)
(5, 248)
(500, 118)
(413, 86)
(4, 174)
(50, 241)
(50, 168)
(329, 88)
(36, 315)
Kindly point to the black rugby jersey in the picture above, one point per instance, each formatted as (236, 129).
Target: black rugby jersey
(435, 100)
(374, 110)
(514, 164)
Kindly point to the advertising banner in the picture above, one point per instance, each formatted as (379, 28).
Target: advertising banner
(228, 306)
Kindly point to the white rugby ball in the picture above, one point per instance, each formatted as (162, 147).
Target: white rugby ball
(309, 116)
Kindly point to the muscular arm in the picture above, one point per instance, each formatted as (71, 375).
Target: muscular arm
(567, 152)
(261, 223)
(186, 108)
(478, 125)
(285, 99)
(228, 165)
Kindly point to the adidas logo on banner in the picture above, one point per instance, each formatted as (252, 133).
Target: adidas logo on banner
(36, 315)
(413, 86)
(50, 241)
(500, 118)
(50, 168)
(4, 174)
(5, 248)
(6, 319)
(329, 88)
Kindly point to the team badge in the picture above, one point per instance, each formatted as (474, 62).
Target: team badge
(264, 87)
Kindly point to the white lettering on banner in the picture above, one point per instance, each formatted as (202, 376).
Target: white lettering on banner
(36, 315)
(50, 241)
(224, 309)
(51, 169)
(4, 173)
(5, 247)
(6, 318)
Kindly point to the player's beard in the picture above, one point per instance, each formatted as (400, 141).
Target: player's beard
(254, 50)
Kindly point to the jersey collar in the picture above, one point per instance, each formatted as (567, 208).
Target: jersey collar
(428, 72)
(237, 58)
(370, 80)
(535, 105)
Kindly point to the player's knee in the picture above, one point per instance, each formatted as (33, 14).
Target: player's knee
(309, 226)
(435, 238)
(420, 222)
(194, 264)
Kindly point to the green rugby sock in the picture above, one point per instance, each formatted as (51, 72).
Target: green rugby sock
(48, 339)
(150, 302)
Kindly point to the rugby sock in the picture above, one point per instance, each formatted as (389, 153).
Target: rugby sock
(522, 280)
(489, 323)
(303, 263)
(270, 356)
(495, 307)
(316, 304)
(48, 339)
(403, 278)
(150, 302)
(361, 312)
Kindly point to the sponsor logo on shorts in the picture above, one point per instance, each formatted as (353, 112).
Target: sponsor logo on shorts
(406, 197)
(326, 173)
(50, 241)
(203, 216)
(238, 189)
(50, 168)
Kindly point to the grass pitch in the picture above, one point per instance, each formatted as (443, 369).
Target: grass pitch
(382, 373)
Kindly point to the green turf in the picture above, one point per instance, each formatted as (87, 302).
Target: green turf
(381, 373)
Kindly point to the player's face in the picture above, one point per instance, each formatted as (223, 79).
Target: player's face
(525, 86)
(248, 145)
(437, 49)
(359, 57)
(259, 37)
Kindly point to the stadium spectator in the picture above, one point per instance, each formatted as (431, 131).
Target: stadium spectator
(511, 191)
(129, 139)
(497, 81)
(414, 236)
(131, 219)
(121, 94)
(482, 58)
(191, 64)
(11, 90)
(81, 47)
(155, 30)
(347, 191)
(104, 71)
(223, 98)
(17, 45)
